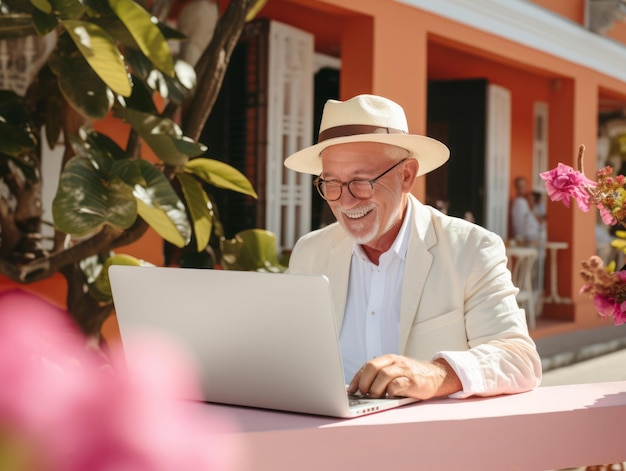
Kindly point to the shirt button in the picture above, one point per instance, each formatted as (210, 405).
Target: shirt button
(373, 313)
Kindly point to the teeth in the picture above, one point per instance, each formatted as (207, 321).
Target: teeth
(357, 213)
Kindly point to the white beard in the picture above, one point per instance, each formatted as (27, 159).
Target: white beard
(366, 238)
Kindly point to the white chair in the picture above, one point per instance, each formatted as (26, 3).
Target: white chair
(521, 263)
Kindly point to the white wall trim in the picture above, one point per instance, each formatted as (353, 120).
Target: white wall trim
(533, 26)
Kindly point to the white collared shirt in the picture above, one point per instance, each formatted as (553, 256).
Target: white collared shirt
(371, 322)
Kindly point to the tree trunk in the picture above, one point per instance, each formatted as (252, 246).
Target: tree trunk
(213, 63)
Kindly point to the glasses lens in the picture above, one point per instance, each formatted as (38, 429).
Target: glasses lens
(330, 191)
(361, 189)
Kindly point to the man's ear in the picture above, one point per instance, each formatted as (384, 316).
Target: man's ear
(409, 174)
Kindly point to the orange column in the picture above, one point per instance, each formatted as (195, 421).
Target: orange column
(572, 121)
(395, 68)
(586, 95)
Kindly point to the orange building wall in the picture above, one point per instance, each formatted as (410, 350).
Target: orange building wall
(617, 31)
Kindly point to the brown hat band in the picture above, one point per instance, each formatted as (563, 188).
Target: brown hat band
(354, 129)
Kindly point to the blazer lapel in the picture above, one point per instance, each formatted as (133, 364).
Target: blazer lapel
(340, 258)
(417, 266)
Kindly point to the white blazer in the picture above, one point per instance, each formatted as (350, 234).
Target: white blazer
(458, 300)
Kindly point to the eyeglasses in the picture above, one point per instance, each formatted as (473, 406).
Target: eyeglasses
(361, 189)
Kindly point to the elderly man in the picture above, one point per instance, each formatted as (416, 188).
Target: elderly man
(424, 302)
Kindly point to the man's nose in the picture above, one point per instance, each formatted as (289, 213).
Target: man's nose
(346, 200)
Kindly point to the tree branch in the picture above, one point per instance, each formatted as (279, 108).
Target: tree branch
(45, 267)
(212, 65)
(86, 311)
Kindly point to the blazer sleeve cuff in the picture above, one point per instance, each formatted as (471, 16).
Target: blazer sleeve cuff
(467, 368)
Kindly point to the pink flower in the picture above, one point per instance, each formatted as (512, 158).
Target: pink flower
(607, 217)
(60, 409)
(563, 183)
(604, 306)
(619, 316)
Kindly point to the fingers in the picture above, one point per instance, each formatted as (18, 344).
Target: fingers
(395, 375)
(373, 378)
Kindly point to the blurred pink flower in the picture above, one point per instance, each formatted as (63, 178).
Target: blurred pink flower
(607, 217)
(60, 409)
(563, 183)
(619, 315)
(610, 308)
(604, 306)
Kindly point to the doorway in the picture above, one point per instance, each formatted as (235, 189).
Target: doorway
(457, 116)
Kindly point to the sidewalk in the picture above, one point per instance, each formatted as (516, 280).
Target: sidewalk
(568, 348)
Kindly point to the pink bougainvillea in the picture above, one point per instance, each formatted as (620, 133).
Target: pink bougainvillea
(564, 183)
(63, 408)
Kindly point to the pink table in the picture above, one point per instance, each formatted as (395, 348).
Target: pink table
(549, 428)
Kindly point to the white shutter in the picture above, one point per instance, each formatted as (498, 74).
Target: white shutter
(498, 154)
(289, 128)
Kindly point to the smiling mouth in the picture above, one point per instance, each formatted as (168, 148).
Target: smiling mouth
(357, 213)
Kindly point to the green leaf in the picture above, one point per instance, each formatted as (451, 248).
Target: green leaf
(163, 136)
(171, 34)
(220, 175)
(101, 287)
(100, 158)
(68, 9)
(251, 249)
(145, 32)
(138, 62)
(621, 234)
(13, 108)
(157, 202)
(199, 206)
(141, 98)
(255, 9)
(80, 85)
(158, 219)
(107, 145)
(42, 5)
(102, 54)
(178, 88)
(85, 201)
(129, 171)
(98, 8)
(16, 141)
(44, 23)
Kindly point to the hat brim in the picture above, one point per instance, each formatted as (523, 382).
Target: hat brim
(430, 153)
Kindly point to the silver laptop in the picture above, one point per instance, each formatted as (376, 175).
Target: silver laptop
(264, 340)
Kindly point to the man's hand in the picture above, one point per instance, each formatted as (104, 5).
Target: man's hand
(396, 375)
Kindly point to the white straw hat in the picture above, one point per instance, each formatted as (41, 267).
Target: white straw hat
(368, 118)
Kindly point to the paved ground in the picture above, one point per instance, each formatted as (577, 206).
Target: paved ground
(608, 367)
(569, 348)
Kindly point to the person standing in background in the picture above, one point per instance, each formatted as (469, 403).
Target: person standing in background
(526, 224)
